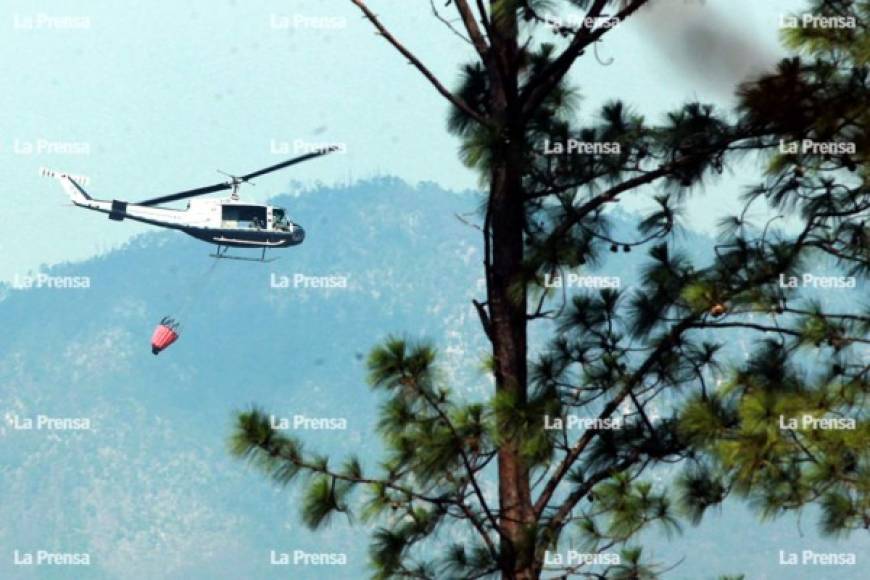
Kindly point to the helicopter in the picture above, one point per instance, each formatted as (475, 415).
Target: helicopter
(226, 222)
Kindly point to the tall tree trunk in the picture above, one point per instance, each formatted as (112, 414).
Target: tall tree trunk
(507, 294)
(507, 301)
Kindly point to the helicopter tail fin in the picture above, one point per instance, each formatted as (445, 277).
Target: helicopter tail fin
(72, 184)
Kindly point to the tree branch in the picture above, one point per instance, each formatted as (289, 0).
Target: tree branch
(484, 19)
(484, 318)
(448, 23)
(609, 408)
(446, 93)
(537, 89)
(465, 461)
(570, 502)
(764, 328)
(664, 170)
(668, 342)
(468, 20)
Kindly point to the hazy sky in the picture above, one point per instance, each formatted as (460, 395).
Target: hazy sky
(153, 97)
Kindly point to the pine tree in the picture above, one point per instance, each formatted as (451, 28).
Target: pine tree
(617, 354)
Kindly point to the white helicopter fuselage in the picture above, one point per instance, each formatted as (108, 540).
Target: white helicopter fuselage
(225, 222)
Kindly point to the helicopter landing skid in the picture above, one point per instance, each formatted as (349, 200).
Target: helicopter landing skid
(222, 254)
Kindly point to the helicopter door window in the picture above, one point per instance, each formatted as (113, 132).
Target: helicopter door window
(244, 216)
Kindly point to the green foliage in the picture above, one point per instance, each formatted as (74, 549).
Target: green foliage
(762, 433)
(632, 505)
(818, 40)
(632, 568)
(323, 499)
(699, 489)
(433, 444)
(257, 441)
(464, 561)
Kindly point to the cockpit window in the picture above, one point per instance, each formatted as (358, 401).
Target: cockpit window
(279, 219)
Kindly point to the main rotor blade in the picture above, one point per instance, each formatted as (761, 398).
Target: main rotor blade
(186, 194)
(235, 180)
(288, 163)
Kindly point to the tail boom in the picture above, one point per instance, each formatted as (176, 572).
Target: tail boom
(73, 186)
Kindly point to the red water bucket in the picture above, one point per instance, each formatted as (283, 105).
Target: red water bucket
(163, 336)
